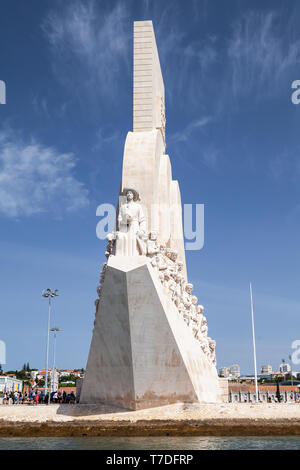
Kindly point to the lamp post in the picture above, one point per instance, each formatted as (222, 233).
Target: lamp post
(54, 329)
(254, 347)
(283, 371)
(48, 293)
(290, 358)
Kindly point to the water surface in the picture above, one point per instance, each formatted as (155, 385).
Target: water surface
(151, 443)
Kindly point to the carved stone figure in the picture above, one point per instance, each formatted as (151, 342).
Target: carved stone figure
(111, 238)
(102, 274)
(153, 248)
(171, 261)
(193, 310)
(178, 290)
(189, 288)
(186, 296)
(204, 327)
(130, 238)
(212, 347)
(161, 258)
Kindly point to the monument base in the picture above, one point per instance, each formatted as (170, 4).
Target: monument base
(142, 353)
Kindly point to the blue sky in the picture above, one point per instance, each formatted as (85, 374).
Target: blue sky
(232, 136)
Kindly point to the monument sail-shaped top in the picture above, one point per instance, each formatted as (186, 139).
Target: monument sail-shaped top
(148, 84)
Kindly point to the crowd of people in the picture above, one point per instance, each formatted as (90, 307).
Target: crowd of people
(36, 398)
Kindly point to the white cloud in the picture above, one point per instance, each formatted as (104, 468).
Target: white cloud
(35, 179)
(90, 45)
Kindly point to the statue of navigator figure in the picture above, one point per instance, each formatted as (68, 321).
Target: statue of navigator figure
(131, 237)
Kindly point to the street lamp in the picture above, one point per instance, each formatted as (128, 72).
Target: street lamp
(54, 329)
(290, 358)
(48, 294)
(254, 347)
(283, 372)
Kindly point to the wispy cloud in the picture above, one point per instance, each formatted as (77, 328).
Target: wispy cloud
(90, 46)
(185, 134)
(181, 55)
(209, 157)
(40, 106)
(190, 64)
(35, 178)
(189, 138)
(105, 136)
(259, 53)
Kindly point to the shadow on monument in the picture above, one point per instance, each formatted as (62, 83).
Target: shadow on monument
(89, 410)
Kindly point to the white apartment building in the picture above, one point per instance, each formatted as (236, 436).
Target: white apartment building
(234, 371)
(285, 368)
(10, 384)
(266, 370)
(224, 371)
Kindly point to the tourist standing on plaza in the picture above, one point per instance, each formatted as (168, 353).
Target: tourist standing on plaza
(5, 398)
(72, 398)
(16, 398)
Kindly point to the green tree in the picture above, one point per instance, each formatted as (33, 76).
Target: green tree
(21, 374)
(68, 378)
(40, 382)
(278, 391)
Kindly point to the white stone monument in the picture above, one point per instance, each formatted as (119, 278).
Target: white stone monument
(150, 345)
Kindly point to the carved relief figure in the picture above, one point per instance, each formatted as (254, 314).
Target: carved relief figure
(130, 238)
(153, 248)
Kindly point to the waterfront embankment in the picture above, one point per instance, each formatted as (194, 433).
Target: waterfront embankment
(226, 419)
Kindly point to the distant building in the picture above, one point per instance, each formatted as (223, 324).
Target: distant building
(224, 371)
(266, 370)
(10, 384)
(245, 393)
(63, 372)
(247, 378)
(34, 374)
(285, 368)
(234, 371)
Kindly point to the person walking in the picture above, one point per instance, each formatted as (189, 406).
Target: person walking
(36, 398)
(16, 398)
(5, 398)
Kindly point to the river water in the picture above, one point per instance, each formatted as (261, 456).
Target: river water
(151, 443)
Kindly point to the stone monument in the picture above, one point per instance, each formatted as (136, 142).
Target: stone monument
(150, 344)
